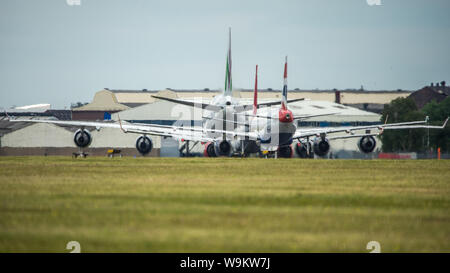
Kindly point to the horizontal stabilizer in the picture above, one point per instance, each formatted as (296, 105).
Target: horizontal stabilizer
(211, 107)
(206, 106)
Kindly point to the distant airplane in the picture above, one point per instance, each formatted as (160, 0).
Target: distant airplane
(229, 127)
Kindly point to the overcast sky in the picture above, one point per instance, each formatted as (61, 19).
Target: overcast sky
(52, 52)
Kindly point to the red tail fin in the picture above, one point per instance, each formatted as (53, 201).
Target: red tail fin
(284, 94)
(255, 95)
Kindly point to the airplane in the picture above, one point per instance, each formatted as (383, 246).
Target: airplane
(246, 132)
(276, 130)
(222, 114)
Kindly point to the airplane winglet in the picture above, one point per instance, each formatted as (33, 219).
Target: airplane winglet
(445, 123)
(120, 124)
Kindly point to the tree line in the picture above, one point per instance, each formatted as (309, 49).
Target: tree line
(416, 140)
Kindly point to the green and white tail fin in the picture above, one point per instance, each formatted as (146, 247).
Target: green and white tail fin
(228, 80)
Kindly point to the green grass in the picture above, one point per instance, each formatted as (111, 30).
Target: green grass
(223, 205)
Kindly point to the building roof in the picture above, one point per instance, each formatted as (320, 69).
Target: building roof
(60, 114)
(42, 107)
(104, 100)
(428, 93)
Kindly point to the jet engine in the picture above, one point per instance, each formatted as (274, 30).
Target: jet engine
(250, 146)
(82, 138)
(223, 148)
(144, 145)
(302, 150)
(321, 146)
(285, 151)
(367, 144)
(209, 150)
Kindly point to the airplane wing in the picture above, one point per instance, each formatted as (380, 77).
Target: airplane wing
(178, 132)
(297, 117)
(313, 116)
(272, 103)
(303, 133)
(211, 107)
(207, 106)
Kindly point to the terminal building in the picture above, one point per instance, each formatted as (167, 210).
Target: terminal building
(351, 107)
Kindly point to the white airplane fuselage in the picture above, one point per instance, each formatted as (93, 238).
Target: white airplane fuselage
(274, 131)
(226, 119)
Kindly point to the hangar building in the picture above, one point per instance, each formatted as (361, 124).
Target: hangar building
(50, 139)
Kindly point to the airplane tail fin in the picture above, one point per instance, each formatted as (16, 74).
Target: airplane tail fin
(255, 94)
(284, 94)
(228, 79)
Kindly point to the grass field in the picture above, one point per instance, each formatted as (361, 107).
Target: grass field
(223, 205)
